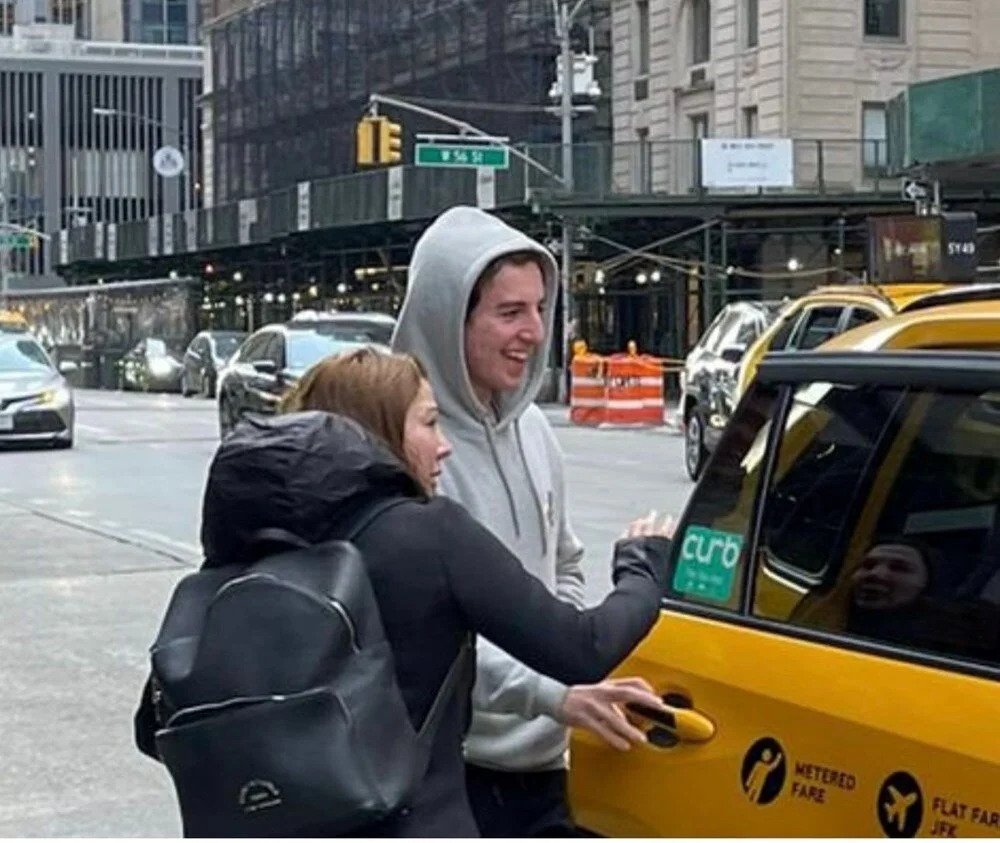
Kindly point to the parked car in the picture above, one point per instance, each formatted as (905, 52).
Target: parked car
(206, 356)
(832, 624)
(367, 327)
(708, 381)
(272, 360)
(36, 402)
(152, 366)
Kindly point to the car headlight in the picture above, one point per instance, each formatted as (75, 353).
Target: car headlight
(58, 396)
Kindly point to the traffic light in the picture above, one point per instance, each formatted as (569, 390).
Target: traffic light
(366, 134)
(390, 142)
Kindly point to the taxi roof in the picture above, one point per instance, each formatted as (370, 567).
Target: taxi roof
(896, 296)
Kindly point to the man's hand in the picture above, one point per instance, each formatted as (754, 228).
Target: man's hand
(599, 709)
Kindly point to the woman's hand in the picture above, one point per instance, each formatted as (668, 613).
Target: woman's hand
(647, 526)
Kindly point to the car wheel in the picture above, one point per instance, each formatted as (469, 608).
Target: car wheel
(695, 453)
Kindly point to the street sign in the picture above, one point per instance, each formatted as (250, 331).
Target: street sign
(914, 190)
(462, 155)
(17, 240)
(168, 161)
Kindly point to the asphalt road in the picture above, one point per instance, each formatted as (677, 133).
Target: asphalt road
(92, 541)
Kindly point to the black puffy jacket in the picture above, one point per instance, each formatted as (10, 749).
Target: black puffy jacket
(437, 574)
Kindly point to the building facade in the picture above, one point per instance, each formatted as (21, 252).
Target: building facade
(289, 79)
(80, 122)
(139, 21)
(810, 70)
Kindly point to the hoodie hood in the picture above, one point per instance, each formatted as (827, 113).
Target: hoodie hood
(307, 473)
(447, 261)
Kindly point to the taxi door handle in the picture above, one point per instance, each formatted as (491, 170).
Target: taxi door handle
(683, 724)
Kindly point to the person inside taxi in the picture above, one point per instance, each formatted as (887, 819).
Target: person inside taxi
(900, 594)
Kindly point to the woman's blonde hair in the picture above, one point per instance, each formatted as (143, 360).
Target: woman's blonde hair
(373, 388)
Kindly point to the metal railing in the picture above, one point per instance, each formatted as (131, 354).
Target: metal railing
(670, 170)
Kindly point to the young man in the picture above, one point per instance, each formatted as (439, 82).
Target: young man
(478, 313)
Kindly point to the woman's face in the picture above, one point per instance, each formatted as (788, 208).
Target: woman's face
(423, 443)
(890, 576)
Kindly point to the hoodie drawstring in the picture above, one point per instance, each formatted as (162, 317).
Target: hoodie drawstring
(503, 477)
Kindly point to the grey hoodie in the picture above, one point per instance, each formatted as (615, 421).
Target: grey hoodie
(506, 469)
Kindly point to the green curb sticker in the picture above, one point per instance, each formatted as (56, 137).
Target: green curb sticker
(707, 564)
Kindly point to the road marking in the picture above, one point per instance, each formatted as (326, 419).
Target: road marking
(162, 539)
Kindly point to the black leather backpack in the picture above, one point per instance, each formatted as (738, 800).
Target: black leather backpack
(276, 692)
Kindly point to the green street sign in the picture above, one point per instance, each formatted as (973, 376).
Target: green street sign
(462, 155)
(16, 240)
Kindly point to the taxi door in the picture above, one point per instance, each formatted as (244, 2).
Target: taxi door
(808, 699)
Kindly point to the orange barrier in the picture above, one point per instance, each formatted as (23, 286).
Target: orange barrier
(623, 389)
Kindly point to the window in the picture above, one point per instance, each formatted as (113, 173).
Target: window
(750, 122)
(644, 162)
(642, 37)
(910, 555)
(699, 126)
(883, 18)
(710, 558)
(818, 325)
(701, 31)
(859, 316)
(751, 18)
(875, 149)
(782, 336)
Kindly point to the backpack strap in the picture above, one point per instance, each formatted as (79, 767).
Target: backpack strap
(459, 669)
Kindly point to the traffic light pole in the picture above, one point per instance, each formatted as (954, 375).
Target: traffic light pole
(467, 128)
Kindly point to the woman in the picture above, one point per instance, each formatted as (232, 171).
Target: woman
(437, 574)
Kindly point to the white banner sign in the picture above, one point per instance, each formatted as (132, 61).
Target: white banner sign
(747, 162)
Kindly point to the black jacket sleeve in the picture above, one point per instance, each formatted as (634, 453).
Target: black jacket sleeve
(499, 599)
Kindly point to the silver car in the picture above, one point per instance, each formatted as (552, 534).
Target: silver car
(36, 402)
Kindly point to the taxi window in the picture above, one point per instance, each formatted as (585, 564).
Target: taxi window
(711, 551)
(819, 325)
(907, 553)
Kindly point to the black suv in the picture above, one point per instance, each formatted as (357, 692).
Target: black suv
(275, 357)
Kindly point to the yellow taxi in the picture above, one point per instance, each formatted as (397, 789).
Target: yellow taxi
(829, 646)
(826, 312)
(11, 320)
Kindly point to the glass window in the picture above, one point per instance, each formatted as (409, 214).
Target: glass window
(751, 127)
(781, 338)
(818, 325)
(699, 125)
(255, 347)
(710, 556)
(22, 355)
(308, 347)
(910, 555)
(751, 15)
(874, 136)
(644, 172)
(642, 37)
(883, 18)
(860, 316)
(701, 31)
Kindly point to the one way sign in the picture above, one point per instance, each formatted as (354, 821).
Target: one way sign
(914, 190)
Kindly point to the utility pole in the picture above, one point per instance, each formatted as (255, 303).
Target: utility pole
(4, 228)
(564, 22)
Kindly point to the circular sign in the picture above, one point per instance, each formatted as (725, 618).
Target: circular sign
(763, 773)
(168, 161)
(900, 805)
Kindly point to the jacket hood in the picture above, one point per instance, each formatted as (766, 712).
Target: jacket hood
(447, 260)
(306, 473)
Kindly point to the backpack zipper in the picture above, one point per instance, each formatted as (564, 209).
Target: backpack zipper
(331, 603)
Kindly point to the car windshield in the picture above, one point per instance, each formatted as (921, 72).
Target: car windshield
(307, 347)
(226, 344)
(23, 355)
(357, 329)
